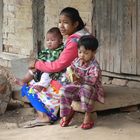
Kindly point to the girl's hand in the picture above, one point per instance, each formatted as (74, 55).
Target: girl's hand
(76, 79)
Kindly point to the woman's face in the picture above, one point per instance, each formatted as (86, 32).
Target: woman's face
(66, 26)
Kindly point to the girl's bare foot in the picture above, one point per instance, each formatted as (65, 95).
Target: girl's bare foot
(87, 117)
(65, 121)
(88, 122)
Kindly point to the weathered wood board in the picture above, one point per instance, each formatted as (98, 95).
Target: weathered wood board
(116, 97)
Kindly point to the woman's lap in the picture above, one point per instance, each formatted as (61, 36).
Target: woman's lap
(37, 103)
(33, 98)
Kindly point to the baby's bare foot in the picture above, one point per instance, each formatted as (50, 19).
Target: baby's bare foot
(18, 81)
(38, 88)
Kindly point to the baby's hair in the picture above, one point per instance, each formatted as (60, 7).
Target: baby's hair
(56, 31)
(89, 42)
(74, 16)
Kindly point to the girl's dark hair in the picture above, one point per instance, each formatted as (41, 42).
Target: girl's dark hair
(55, 30)
(74, 16)
(89, 42)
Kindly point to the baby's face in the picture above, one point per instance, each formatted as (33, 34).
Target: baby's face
(52, 41)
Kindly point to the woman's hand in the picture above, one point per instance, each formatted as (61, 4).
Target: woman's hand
(32, 63)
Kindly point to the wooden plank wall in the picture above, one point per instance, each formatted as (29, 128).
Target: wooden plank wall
(128, 56)
(117, 26)
(138, 37)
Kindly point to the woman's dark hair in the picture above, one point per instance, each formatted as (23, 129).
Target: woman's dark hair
(74, 16)
(89, 42)
(55, 30)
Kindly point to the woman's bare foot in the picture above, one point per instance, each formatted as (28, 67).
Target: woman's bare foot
(39, 121)
(42, 117)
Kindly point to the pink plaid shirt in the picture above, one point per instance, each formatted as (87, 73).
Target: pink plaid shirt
(91, 75)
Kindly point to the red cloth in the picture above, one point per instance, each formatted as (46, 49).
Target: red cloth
(56, 84)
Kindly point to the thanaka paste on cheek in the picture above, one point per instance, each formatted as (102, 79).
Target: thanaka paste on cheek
(65, 26)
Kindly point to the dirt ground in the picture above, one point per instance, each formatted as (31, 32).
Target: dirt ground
(110, 125)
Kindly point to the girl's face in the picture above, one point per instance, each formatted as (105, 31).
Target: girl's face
(66, 26)
(85, 55)
(52, 41)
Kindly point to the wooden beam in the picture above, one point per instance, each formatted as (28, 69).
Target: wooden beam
(122, 76)
(115, 97)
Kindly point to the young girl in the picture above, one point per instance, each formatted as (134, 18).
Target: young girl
(71, 26)
(86, 85)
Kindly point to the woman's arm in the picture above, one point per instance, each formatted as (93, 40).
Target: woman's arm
(69, 53)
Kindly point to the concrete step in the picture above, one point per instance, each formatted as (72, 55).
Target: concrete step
(115, 97)
(16, 95)
(5, 63)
